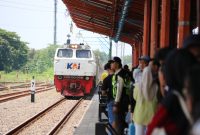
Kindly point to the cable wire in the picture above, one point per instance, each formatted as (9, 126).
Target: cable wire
(28, 9)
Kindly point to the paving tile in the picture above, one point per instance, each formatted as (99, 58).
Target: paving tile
(87, 126)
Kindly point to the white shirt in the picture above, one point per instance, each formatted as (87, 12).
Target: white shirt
(147, 86)
(120, 85)
(137, 75)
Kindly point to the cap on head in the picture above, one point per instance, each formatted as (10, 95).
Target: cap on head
(117, 59)
(145, 58)
(191, 41)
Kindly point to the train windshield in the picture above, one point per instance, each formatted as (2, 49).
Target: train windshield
(83, 54)
(67, 53)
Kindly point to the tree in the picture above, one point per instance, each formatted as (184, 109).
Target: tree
(102, 56)
(127, 59)
(41, 60)
(31, 53)
(13, 51)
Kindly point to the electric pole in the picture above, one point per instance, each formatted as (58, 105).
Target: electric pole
(110, 49)
(55, 21)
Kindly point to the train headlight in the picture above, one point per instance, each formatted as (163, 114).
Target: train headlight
(60, 77)
(87, 78)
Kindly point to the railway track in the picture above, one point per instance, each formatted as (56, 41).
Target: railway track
(60, 124)
(22, 85)
(15, 95)
(41, 114)
(3, 88)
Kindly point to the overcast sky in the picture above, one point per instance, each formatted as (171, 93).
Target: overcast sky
(33, 21)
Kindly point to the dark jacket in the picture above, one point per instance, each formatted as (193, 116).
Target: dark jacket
(170, 117)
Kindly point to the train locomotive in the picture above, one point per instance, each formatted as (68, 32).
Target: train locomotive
(74, 70)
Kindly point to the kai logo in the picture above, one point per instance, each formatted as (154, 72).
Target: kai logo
(73, 66)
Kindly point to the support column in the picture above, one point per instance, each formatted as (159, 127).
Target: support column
(135, 50)
(165, 24)
(183, 21)
(133, 55)
(145, 48)
(140, 48)
(154, 27)
(198, 14)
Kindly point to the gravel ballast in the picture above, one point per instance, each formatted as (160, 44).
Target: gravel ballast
(14, 112)
(74, 121)
(43, 125)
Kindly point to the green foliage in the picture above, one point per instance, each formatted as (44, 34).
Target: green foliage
(13, 51)
(40, 65)
(101, 56)
(41, 60)
(127, 60)
(17, 76)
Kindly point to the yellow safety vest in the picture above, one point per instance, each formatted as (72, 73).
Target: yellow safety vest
(114, 86)
(104, 75)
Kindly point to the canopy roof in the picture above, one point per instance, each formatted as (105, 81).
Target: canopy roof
(120, 19)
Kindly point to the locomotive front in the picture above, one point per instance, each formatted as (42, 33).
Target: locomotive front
(74, 70)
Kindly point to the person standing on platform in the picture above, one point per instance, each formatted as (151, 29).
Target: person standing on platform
(128, 80)
(192, 96)
(103, 75)
(170, 116)
(160, 56)
(145, 95)
(119, 93)
(143, 62)
(107, 90)
(192, 44)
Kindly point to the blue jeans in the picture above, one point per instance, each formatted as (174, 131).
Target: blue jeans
(111, 115)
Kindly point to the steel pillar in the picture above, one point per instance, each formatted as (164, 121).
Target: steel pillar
(165, 23)
(183, 21)
(135, 49)
(145, 48)
(198, 14)
(154, 27)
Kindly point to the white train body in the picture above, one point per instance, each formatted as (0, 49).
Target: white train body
(74, 70)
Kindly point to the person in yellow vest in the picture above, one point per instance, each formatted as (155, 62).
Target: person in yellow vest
(121, 99)
(105, 72)
(104, 75)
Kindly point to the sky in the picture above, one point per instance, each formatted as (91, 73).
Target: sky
(33, 21)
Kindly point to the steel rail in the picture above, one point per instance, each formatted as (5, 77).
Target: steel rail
(60, 124)
(16, 93)
(11, 96)
(32, 119)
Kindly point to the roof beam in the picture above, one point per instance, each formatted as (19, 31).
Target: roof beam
(80, 4)
(88, 18)
(90, 13)
(91, 23)
(136, 23)
(102, 19)
(104, 32)
(122, 19)
(127, 39)
(99, 4)
(107, 1)
(114, 17)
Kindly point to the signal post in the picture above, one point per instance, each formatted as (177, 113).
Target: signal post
(33, 90)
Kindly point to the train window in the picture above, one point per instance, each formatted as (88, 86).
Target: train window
(83, 54)
(67, 53)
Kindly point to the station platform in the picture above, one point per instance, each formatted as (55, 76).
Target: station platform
(87, 125)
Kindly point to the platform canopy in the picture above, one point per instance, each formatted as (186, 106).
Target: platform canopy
(122, 20)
